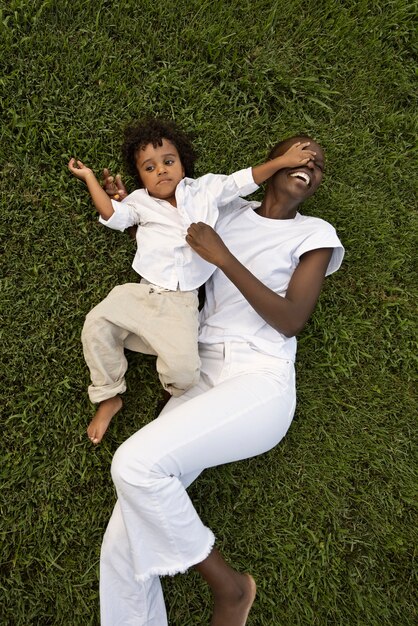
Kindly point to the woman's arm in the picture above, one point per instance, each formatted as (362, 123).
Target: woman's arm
(98, 195)
(288, 314)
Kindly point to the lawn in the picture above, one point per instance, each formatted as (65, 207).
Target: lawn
(325, 522)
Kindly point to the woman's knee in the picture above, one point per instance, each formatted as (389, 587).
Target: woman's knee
(131, 464)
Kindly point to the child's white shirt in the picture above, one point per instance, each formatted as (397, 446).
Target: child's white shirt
(163, 257)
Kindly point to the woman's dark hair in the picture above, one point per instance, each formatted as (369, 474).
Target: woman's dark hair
(154, 130)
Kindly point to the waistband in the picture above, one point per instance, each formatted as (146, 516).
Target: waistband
(157, 289)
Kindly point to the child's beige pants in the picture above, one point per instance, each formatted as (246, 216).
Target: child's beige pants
(147, 319)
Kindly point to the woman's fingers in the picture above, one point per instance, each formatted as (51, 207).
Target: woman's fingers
(108, 183)
(114, 187)
(121, 189)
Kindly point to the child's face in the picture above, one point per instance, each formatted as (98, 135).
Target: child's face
(160, 170)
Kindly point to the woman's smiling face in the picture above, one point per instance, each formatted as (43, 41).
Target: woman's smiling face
(301, 181)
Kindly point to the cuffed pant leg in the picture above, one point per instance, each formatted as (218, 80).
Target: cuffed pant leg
(108, 327)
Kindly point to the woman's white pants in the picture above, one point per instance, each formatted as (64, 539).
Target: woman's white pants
(241, 407)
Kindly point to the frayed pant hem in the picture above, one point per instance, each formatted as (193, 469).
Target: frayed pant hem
(180, 569)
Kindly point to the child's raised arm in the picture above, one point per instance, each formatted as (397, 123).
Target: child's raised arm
(98, 195)
(298, 154)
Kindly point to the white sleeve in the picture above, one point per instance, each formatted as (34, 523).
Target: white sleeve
(325, 237)
(227, 188)
(125, 214)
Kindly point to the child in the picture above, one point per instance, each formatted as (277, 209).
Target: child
(159, 315)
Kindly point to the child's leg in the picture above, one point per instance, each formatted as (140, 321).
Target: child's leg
(102, 418)
(108, 328)
(175, 341)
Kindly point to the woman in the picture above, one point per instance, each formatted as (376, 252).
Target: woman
(271, 265)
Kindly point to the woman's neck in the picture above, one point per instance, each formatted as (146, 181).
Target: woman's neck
(278, 207)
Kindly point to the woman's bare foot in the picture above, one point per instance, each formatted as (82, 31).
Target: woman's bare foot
(100, 422)
(232, 608)
(233, 593)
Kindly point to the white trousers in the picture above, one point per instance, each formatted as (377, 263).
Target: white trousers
(241, 407)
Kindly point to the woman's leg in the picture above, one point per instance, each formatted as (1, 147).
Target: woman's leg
(244, 414)
(123, 600)
(233, 593)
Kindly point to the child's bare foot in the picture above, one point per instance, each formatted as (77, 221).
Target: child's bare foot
(233, 609)
(98, 425)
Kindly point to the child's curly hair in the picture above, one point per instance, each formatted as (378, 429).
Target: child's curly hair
(154, 130)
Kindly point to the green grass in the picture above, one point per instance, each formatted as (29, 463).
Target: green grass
(326, 521)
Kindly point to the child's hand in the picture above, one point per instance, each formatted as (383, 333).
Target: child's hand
(79, 169)
(298, 154)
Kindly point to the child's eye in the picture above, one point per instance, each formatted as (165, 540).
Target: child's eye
(169, 162)
(149, 168)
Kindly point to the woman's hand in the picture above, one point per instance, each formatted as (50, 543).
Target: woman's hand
(207, 243)
(79, 170)
(116, 190)
(114, 187)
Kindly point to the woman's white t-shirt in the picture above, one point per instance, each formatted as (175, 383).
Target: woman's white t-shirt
(270, 249)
